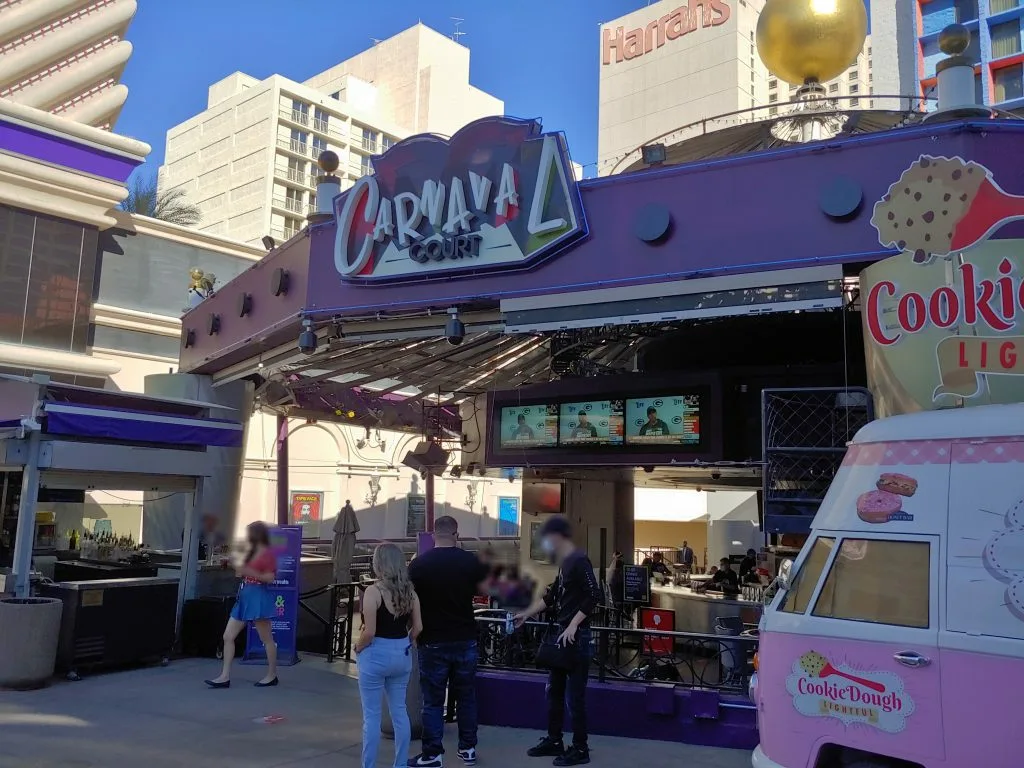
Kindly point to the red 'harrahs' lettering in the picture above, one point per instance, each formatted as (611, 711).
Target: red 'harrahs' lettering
(991, 303)
(626, 46)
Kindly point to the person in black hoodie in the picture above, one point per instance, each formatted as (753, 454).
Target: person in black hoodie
(573, 596)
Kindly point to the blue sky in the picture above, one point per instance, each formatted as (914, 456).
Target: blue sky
(540, 56)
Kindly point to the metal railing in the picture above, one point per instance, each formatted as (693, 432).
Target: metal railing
(290, 204)
(721, 662)
(323, 126)
(337, 625)
(296, 116)
(292, 174)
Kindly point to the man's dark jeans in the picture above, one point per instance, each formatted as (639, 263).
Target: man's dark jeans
(570, 687)
(444, 665)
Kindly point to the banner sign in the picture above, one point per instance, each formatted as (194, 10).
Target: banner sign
(307, 507)
(636, 584)
(508, 516)
(498, 194)
(416, 515)
(286, 542)
(941, 320)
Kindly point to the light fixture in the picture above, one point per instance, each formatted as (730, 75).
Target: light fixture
(454, 329)
(269, 243)
(654, 154)
(307, 339)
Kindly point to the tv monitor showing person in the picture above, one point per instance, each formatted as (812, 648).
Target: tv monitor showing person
(665, 420)
(596, 423)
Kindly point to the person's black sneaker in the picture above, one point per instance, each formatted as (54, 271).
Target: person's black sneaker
(426, 761)
(575, 756)
(547, 747)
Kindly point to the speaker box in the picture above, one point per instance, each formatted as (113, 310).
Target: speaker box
(427, 457)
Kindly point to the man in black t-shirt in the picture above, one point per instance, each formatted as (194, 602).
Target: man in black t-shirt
(653, 427)
(447, 579)
(573, 596)
(584, 428)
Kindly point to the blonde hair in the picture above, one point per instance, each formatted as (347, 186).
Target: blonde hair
(393, 578)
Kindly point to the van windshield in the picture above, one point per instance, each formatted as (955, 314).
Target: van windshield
(802, 585)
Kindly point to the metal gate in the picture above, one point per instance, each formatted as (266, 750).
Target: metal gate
(804, 438)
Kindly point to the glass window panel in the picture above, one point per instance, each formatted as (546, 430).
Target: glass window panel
(802, 584)
(965, 10)
(1007, 84)
(1006, 39)
(16, 229)
(54, 291)
(998, 6)
(878, 581)
(139, 342)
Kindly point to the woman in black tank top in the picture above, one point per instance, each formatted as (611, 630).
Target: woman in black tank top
(391, 624)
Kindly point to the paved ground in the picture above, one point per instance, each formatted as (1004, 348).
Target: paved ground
(158, 718)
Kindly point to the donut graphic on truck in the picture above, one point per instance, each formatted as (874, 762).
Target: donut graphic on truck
(885, 503)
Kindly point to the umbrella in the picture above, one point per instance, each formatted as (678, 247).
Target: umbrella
(344, 545)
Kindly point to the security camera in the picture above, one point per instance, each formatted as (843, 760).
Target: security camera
(454, 330)
(307, 339)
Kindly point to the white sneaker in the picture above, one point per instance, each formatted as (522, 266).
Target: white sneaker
(468, 756)
(423, 761)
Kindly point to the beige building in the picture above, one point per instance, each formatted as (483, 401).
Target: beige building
(66, 57)
(249, 159)
(851, 90)
(664, 68)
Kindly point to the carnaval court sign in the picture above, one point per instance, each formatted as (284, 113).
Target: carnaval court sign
(499, 194)
(943, 320)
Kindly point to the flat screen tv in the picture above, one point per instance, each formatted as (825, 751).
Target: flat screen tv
(528, 426)
(592, 422)
(664, 420)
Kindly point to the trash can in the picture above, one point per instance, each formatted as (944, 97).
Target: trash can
(29, 634)
(413, 702)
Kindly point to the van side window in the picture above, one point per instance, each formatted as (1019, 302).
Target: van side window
(805, 580)
(884, 582)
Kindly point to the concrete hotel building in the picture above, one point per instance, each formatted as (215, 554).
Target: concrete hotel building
(666, 66)
(66, 57)
(249, 159)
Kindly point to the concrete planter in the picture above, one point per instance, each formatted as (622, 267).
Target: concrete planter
(29, 631)
(413, 702)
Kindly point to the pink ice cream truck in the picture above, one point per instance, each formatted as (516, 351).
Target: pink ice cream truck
(896, 639)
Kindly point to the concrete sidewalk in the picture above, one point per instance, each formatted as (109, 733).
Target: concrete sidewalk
(164, 717)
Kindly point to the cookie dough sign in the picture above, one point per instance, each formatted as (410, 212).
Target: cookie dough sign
(952, 296)
(874, 698)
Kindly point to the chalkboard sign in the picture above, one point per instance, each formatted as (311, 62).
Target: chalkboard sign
(636, 584)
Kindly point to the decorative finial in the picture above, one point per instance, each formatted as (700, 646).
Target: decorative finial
(328, 161)
(954, 39)
(810, 41)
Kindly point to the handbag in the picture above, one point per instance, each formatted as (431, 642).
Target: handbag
(553, 656)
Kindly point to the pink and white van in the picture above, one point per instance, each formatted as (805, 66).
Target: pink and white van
(897, 639)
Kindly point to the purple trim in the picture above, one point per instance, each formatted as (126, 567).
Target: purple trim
(517, 700)
(137, 428)
(65, 152)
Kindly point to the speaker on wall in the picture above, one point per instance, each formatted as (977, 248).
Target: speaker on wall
(427, 457)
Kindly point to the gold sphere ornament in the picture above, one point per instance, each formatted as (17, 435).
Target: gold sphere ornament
(954, 39)
(328, 161)
(804, 41)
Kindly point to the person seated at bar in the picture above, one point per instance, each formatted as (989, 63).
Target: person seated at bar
(725, 578)
(656, 564)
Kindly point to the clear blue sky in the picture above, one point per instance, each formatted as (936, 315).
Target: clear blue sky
(540, 56)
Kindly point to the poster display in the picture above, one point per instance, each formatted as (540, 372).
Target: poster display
(307, 509)
(286, 543)
(508, 516)
(660, 620)
(636, 584)
(416, 515)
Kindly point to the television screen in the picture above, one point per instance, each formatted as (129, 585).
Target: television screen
(529, 426)
(597, 422)
(664, 420)
(542, 498)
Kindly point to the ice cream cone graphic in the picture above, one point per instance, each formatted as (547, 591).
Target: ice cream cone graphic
(940, 206)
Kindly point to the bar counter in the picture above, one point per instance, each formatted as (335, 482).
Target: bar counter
(696, 612)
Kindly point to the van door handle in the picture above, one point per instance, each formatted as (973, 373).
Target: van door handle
(912, 659)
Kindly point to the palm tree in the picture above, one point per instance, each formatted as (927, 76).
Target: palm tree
(145, 199)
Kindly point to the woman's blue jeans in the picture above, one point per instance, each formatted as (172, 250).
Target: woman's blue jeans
(384, 668)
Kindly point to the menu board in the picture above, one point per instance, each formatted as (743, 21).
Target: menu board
(663, 420)
(596, 422)
(529, 426)
(636, 584)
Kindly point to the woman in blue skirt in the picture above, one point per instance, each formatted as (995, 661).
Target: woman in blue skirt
(255, 603)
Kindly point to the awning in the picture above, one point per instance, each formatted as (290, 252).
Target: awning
(139, 426)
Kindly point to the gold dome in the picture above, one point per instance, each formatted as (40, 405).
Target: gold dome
(810, 40)
(954, 39)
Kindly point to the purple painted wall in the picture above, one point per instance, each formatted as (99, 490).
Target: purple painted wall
(65, 152)
(746, 213)
(630, 710)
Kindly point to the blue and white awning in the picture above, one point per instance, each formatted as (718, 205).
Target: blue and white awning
(98, 423)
